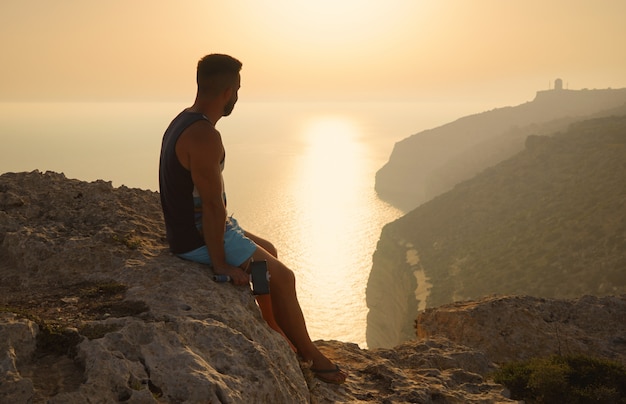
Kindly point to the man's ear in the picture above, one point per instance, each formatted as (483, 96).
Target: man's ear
(228, 93)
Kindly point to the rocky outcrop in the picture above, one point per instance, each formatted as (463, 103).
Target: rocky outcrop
(548, 222)
(182, 337)
(93, 308)
(433, 161)
(517, 328)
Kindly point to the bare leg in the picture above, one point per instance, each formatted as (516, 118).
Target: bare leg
(265, 301)
(265, 244)
(289, 317)
(265, 304)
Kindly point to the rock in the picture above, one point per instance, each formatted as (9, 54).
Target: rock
(95, 309)
(426, 371)
(17, 341)
(190, 340)
(513, 328)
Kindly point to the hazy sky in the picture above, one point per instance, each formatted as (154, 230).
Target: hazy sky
(310, 49)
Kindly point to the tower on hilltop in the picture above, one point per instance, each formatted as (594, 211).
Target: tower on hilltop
(558, 84)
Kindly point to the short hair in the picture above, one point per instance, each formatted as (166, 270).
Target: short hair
(217, 72)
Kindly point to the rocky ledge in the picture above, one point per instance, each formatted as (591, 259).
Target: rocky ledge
(93, 308)
(518, 328)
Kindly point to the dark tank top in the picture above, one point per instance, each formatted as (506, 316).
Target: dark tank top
(177, 189)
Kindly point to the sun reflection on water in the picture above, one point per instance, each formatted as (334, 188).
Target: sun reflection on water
(330, 188)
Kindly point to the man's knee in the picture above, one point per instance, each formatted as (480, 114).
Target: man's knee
(280, 273)
(264, 244)
(269, 247)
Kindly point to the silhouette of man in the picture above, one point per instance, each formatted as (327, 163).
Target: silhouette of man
(194, 206)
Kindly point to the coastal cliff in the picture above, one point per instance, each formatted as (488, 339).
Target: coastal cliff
(433, 161)
(93, 308)
(549, 222)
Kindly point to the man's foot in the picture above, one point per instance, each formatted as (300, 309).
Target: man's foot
(334, 375)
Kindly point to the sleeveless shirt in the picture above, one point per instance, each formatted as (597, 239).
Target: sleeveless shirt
(177, 189)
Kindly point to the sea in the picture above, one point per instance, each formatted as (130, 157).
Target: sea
(300, 174)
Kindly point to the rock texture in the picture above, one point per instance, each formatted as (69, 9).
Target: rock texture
(93, 308)
(513, 328)
(196, 341)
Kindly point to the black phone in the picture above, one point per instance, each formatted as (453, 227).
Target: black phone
(260, 277)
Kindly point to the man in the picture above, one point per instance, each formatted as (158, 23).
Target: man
(194, 207)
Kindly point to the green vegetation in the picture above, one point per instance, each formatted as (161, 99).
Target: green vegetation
(549, 222)
(565, 379)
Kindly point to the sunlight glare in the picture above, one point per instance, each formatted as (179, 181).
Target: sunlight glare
(329, 185)
(333, 156)
(327, 26)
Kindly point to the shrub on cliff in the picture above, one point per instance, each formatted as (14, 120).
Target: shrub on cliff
(565, 379)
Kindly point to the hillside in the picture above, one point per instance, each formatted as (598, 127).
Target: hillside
(548, 222)
(431, 162)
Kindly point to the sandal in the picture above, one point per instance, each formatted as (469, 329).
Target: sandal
(323, 374)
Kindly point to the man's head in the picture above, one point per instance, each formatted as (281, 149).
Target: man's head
(216, 75)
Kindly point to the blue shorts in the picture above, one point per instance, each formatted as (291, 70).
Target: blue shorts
(237, 246)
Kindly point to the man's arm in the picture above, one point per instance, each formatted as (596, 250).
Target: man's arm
(200, 150)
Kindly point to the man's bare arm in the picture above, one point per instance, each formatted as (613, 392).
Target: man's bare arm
(201, 150)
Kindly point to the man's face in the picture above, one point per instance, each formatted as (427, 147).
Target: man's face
(230, 105)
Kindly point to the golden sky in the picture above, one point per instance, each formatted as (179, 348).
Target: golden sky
(313, 49)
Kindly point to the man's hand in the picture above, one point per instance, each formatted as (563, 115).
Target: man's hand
(238, 275)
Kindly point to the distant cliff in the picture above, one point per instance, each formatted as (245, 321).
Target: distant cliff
(548, 222)
(433, 161)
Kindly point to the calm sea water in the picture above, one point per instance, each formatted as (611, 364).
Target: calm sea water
(299, 174)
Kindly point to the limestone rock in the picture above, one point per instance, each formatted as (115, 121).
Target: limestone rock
(426, 371)
(16, 342)
(176, 336)
(514, 328)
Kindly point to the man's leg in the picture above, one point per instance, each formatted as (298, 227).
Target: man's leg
(263, 243)
(265, 301)
(289, 317)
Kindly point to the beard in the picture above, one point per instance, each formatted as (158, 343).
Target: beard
(228, 108)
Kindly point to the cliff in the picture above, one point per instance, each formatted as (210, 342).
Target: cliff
(431, 162)
(548, 222)
(93, 308)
